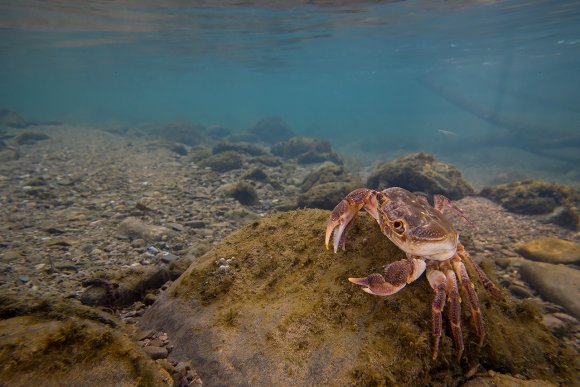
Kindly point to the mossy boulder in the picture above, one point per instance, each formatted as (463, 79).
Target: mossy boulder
(256, 174)
(182, 132)
(223, 162)
(327, 173)
(306, 150)
(266, 160)
(538, 197)
(327, 195)
(218, 132)
(270, 130)
(240, 147)
(123, 287)
(421, 172)
(53, 343)
(326, 186)
(245, 193)
(284, 313)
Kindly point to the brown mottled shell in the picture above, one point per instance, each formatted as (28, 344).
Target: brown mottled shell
(423, 222)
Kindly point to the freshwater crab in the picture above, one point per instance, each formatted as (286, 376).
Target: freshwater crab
(430, 242)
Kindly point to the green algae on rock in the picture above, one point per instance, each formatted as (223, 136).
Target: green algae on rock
(537, 197)
(326, 195)
(284, 313)
(223, 162)
(306, 150)
(51, 342)
(328, 172)
(243, 192)
(423, 173)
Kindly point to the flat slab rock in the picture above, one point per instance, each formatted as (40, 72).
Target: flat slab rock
(551, 250)
(284, 313)
(557, 283)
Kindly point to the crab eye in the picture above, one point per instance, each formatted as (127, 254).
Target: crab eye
(399, 226)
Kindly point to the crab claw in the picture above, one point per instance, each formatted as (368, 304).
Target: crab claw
(344, 213)
(398, 274)
(341, 217)
(376, 284)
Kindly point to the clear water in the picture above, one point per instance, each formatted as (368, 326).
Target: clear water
(473, 82)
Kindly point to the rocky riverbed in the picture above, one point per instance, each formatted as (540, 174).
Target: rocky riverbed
(109, 219)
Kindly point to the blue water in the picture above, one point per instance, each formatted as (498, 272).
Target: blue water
(402, 76)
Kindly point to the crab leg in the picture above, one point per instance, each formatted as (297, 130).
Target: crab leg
(345, 212)
(438, 282)
(487, 284)
(472, 298)
(397, 275)
(440, 202)
(455, 311)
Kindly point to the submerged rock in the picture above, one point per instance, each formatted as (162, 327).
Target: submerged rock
(556, 283)
(218, 132)
(12, 119)
(47, 342)
(9, 154)
(127, 286)
(421, 172)
(326, 186)
(551, 250)
(285, 314)
(223, 162)
(271, 130)
(306, 150)
(179, 149)
(537, 197)
(182, 132)
(135, 228)
(328, 173)
(156, 352)
(326, 196)
(244, 192)
(256, 174)
(240, 147)
(29, 138)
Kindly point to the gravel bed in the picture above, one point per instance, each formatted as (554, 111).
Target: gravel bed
(62, 201)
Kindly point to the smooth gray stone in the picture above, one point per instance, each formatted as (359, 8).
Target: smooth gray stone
(557, 283)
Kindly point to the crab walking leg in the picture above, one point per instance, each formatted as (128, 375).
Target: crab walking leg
(397, 275)
(345, 212)
(438, 282)
(472, 299)
(440, 202)
(454, 311)
(487, 284)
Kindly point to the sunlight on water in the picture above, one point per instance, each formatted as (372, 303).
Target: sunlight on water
(377, 80)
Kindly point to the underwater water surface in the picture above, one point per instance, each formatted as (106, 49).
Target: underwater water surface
(474, 83)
